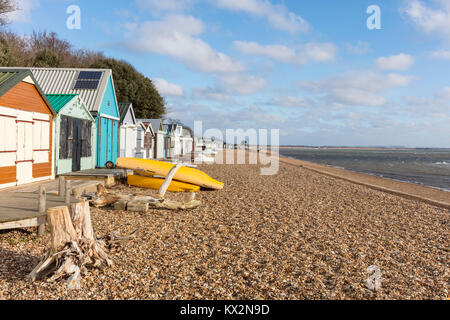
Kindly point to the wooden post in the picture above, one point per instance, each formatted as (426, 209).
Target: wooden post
(68, 192)
(61, 186)
(42, 207)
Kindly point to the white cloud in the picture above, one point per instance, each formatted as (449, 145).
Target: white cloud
(177, 36)
(277, 15)
(445, 94)
(399, 62)
(167, 89)
(242, 84)
(436, 105)
(302, 54)
(23, 14)
(164, 5)
(355, 96)
(210, 94)
(441, 54)
(227, 85)
(357, 88)
(290, 102)
(429, 20)
(360, 48)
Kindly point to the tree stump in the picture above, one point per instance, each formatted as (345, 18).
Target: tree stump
(74, 246)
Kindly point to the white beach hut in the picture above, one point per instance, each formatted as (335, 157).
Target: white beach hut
(128, 139)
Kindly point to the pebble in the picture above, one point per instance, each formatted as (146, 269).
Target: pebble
(294, 235)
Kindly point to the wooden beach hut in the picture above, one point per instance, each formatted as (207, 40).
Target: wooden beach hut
(75, 134)
(152, 139)
(26, 130)
(175, 132)
(187, 141)
(145, 148)
(128, 131)
(96, 88)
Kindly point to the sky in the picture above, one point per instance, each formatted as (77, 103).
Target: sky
(322, 72)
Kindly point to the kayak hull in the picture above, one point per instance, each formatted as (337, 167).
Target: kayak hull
(160, 168)
(155, 183)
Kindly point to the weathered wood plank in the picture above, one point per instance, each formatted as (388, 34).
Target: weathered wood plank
(25, 223)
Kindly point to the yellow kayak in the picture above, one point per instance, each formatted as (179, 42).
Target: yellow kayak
(160, 168)
(155, 183)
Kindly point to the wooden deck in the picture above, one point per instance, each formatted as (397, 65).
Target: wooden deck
(19, 205)
(20, 209)
(52, 187)
(107, 176)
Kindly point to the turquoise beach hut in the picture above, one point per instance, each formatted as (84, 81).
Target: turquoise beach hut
(96, 88)
(75, 134)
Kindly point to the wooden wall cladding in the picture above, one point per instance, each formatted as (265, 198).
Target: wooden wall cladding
(24, 96)
(8, 175)
(42, 170)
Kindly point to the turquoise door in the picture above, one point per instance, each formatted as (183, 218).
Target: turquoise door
(102, 141)
(110, 140)
(115, 141)
(107, 141)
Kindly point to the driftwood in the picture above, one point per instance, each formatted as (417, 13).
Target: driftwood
(130, 201)
(144, 203)
(74, 247)
(163, 189)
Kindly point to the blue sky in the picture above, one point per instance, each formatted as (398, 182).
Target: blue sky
(312, 69)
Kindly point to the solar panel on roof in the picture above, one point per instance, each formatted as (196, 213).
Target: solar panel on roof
(86, 84)
(89, 75)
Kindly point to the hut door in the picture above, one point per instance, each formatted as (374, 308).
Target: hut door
(155, 138)
(148, 145)
(77, 143)
(24, 162)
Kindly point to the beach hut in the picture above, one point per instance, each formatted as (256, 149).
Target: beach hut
(180, 140)
(144, 136)
(96, 88)
(26, 130)
(187, 141)
(75, 134)
(174, 133)
(128, 131)
(153, 139)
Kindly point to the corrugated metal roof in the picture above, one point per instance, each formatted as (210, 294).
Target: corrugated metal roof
(62, 80)
(5, 76)
(155, 123)
(58, 101)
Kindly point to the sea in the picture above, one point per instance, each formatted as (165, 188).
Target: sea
(429, 167)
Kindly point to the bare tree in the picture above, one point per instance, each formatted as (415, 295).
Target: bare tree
(6, 6)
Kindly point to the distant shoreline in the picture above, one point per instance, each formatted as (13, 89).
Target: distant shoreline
(427, 194)
(358, 148)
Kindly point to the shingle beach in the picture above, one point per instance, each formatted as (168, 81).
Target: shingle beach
(295, 235)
